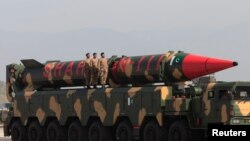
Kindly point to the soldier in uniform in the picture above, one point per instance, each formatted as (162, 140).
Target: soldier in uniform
(103, 69)
(94, 70)
(12, 80)
(87, 70)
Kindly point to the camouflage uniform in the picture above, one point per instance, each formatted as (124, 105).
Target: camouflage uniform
(87, 71)
(103, 70)
(94, 71)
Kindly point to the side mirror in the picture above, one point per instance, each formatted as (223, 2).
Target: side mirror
(196, 91)
(210, 94)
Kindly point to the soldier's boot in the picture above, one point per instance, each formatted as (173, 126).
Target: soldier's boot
(88, 87)
(103, 86)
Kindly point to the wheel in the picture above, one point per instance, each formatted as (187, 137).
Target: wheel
(178, 131)
(164, 134)
(35, 132)
(97, 132)
(54, 132)
(18, 132)
(76, 132)
(124, 131)
(152, 132)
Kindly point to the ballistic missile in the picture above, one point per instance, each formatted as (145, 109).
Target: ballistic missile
(168, 68)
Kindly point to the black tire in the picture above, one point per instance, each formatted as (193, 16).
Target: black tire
(55, 132)
(97, 132)
(77, 133)
(124, 131)
(35, 132)
(179, 131)
(164, 134)
(18, 132)
(152, 132)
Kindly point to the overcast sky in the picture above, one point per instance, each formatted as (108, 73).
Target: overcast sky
(121, 15)
(126, 17)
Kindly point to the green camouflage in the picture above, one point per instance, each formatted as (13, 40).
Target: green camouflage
(108, 104)
(43, 100)
(137, 104)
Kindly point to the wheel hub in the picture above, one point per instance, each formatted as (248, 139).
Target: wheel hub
(52, 134)
(15, 134)
(74, 135)
(123, 135)
(33, 134)
(95, 135)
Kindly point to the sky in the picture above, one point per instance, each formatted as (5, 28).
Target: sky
(150, 27)
(121, 15)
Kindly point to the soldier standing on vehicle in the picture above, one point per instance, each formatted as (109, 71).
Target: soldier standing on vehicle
(87, 70)
(12, 80)
(103, 69)
(95, 70)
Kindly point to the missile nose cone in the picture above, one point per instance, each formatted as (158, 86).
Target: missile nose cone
(195, 66)
(235, 63)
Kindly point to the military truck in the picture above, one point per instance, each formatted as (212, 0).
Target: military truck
(148, 98)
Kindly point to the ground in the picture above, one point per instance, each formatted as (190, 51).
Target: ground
(1, 135)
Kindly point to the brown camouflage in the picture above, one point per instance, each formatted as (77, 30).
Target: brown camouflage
(222, 103)
(138, 71)
(111, 103)
(107, 104)
(36, 93)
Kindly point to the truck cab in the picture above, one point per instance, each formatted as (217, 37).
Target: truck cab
(226, 103)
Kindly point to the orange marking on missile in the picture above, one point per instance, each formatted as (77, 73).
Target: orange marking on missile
(58, 69)
(159, 61)
(149, 62)
(80, 68)
(114, 71)
(122, 64)
(69, 69)
(139, 63)
(47, 70)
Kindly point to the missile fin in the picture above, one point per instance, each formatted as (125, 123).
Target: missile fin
(31, 63)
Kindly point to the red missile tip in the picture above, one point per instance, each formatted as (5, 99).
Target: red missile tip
(194, 66)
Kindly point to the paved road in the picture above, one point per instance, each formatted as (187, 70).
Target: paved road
(5, 139)
(1, 135)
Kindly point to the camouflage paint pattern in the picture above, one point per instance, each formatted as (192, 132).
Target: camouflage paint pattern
(108, 104)
(37, 93)
(136, 103)
(167, 68)
(221, 102)
(139, 70)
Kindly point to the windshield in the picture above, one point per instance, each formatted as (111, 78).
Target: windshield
(242, 92)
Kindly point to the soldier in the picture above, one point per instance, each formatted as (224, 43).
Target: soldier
(103, 69)
(12, 81)
(12, 75)
(94, 70)
(87, 70)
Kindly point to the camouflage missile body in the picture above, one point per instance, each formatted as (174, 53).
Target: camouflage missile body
(39, 103)
(139, 70)
(168, 68)
(51, 74)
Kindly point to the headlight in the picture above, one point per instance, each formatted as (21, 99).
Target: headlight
(247, 121)
(236, 121)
